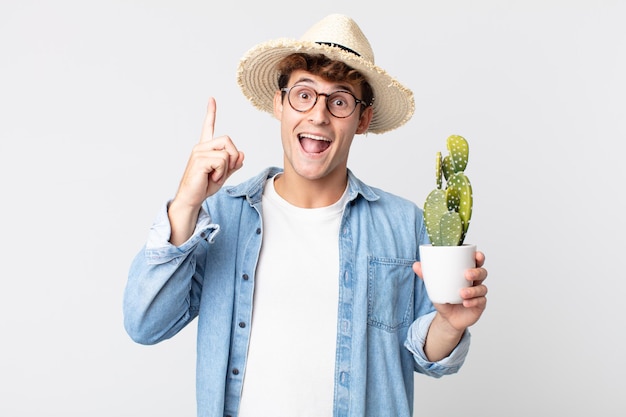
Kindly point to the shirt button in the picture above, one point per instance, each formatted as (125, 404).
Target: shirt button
(245, 277)
(258, 231)
(242, 324)
(235, 371)
(344, 378)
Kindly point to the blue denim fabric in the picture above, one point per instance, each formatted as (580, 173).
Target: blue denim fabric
(383, 308)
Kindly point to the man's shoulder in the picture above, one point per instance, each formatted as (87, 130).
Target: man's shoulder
(380, 195)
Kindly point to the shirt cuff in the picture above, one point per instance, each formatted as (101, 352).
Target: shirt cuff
(158, 247)
(416, 337)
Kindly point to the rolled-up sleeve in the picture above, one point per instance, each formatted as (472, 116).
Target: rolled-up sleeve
(416, 337)
(158, 249)
(162, 293)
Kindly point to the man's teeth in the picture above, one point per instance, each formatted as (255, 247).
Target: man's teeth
(315, 137)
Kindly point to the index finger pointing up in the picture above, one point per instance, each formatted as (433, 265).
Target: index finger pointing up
(209, 121)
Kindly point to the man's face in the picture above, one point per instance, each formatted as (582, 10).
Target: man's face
(316, 143)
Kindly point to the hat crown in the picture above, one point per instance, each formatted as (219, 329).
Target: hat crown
(341, 31)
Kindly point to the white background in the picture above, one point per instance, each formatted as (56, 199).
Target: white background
(101, 102)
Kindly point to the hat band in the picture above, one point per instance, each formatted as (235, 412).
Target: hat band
(336, 45)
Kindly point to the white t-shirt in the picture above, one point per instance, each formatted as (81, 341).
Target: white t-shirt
(291, 357)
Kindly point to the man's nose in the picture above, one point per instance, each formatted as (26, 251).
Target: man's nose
(319, 111)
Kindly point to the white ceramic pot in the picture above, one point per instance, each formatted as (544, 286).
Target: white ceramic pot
(443, 269)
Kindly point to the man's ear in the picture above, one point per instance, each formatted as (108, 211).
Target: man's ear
(364, 120)
(278, 105)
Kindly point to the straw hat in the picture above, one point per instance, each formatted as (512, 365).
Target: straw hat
(339, 38)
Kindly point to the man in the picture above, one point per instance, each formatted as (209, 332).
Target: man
(304, 279)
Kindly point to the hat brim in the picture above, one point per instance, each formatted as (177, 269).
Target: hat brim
(257, 77)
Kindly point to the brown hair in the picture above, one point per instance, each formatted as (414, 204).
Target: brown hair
(326, 68)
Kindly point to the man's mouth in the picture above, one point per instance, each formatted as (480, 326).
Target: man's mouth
(313, 144)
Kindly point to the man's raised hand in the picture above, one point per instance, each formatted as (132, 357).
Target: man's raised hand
(211, 162)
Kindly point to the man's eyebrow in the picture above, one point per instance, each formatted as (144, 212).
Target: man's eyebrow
(336, 87)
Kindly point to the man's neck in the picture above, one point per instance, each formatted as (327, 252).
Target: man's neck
(305, 193)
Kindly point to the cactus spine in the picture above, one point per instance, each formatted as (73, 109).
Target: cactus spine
(447, 211)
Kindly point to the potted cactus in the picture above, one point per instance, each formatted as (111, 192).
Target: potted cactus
(447, 214)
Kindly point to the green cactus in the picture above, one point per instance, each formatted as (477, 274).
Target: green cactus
(447, 211)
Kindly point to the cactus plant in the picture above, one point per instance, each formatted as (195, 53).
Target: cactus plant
(448, 209)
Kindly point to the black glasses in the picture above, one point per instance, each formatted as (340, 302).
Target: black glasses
(340, 104)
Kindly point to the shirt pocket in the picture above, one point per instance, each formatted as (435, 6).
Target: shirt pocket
(390, 290)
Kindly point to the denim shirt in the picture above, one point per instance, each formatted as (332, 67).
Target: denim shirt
(383, 309)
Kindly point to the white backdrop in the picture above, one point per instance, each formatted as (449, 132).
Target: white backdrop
(101, 102)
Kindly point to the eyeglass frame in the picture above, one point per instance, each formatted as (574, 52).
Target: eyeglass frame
(327, 95)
